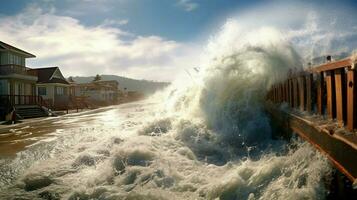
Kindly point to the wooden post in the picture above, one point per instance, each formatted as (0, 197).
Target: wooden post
(351, 99)
(301, 83)
(330, 91)
(340, 85)
(287, 91)
(295, 92)
(320, 93)
(291, 93)
(274, 94)
(278, 92)
(309, 78)
(281, 88)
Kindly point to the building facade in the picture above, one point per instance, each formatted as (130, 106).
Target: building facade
(15, 77)
(97, 92)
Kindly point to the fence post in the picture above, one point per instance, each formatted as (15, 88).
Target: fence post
(295, 92)
(291, 96)
(320, 93)
(286, 84)
(331, 97)
(340, 91)
(309, 78)
(351, 99)
(301, 83)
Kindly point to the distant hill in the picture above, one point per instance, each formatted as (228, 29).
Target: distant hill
(144, 86)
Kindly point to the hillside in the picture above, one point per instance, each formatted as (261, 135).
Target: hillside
(144, 86)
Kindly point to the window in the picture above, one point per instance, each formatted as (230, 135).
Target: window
(59, 91)
(17, 60)
(11, 58)
(42, 91)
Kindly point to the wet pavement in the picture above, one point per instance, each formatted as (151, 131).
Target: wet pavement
(17, 137)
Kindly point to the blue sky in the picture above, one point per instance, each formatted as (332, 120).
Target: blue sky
(156, 39)
(173, 19)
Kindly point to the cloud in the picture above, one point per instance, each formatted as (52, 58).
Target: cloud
(187, 5)
(314, 29)
(112, 22)
(80, 50)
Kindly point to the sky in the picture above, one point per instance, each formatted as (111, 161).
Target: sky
(158, 39)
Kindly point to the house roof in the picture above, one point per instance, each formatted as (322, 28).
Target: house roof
(8, 47)
(46, 75)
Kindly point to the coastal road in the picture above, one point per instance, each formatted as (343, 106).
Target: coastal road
(16, 138)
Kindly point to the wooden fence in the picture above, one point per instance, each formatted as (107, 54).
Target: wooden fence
(328, 89)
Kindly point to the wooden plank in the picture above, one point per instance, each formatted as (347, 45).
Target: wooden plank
(340, 91)
(282, 92)
(287, 91)
(273, 90)
(320, 93)
(301, 84)
(295, 92)
(309, 79)
(340, 150)
(351, 100)
(279, 92)
(333, 65)
(331, 97)
(291, 102)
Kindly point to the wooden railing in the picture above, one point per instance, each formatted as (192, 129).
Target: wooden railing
(12, 100)
(16, 69)
(329, 89)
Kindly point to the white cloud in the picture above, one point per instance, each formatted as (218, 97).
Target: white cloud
(188, 5)
(113, 22)
(314, 29)
(80, 50)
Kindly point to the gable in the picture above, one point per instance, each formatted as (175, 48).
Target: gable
(57, 74)
(50, 75)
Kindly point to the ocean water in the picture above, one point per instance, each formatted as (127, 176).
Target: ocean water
(205, 137)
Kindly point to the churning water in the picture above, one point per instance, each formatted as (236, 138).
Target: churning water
(204, 137)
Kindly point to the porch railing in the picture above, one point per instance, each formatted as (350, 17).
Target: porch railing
(16, 69)
(12, 100)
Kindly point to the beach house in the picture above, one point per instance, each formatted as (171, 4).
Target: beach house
(18, 84)
(52, 87)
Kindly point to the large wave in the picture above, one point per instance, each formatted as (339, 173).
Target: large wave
(227, 92)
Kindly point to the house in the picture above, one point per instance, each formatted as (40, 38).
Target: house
(18, 84)
(109, 90)
(52, 87)
(97, 92)
(15, 77)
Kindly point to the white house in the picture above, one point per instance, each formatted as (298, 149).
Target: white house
(52, 86)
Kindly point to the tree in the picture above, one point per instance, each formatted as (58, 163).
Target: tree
(70, 79)
(97, 78)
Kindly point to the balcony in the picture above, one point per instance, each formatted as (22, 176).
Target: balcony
(16, 69)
